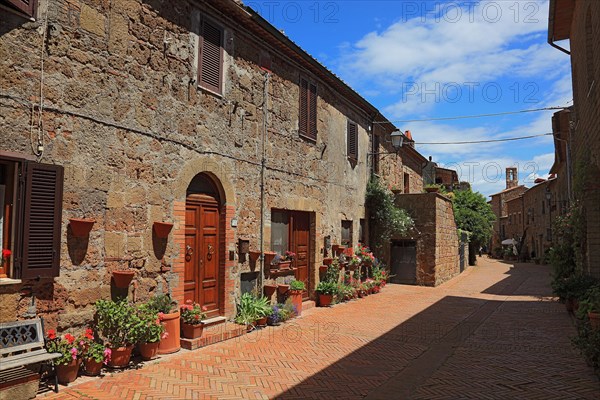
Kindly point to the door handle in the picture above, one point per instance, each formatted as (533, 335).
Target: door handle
(188, 252)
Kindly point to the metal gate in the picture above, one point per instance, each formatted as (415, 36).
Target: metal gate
(404, 262)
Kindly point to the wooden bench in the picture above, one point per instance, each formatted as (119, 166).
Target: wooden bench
(22, 343)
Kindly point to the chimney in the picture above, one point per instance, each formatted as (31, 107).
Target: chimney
(512, 178)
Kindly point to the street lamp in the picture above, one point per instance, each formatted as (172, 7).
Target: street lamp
(397, 139)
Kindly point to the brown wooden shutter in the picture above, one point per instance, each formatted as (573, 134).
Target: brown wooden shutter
(27, 6)
(352, 140)
(312, 111)
(211, 57)
(42, 216)
(303, 113)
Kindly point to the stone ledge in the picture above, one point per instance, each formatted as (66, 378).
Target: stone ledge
(214, 334)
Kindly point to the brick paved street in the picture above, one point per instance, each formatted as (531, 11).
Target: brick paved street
(491, 333)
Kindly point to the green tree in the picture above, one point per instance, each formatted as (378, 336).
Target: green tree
(386, 218)
(472, 213)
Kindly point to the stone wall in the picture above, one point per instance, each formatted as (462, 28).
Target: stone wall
(585, 64)
(499, 207)
(124, 116)
(435, 234)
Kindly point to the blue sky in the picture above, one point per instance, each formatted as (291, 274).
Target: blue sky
(433, 59)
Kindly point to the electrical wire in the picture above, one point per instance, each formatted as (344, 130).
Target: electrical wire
(473, 116)
(489, 141)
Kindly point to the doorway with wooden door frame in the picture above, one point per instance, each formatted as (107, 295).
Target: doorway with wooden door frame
(293, 230)
(204, 255)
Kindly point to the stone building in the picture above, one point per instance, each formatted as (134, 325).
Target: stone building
(579, 22)
(429, 254)
(201, 115)
(513, 220)
(499, 204)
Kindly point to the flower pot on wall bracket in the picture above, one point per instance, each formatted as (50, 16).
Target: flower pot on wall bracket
(81, 227)
(162, 229)
(327, 261)
(282, 289)
(254, 255)
(269, 256)
(269, 290)
(122, 278)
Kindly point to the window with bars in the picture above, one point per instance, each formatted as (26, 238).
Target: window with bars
(307, 119)
(210, 68)
(30, 217)
(352, 141)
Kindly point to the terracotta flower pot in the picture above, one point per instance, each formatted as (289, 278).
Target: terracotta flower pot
(254, 255)
(432, 189)
(92, 367)
(170, 343)
(120, 356)
(327, 261)
(81, 227)
(594, 320)
(296, 296)
(67, 373)
(261, 321)
(269, 290)
(282, 289)
(269, 256)
(148, 350)
(190, 331)
(122, 278)
(285, 265)
(325, 300)
(162, 229)
(323, 269)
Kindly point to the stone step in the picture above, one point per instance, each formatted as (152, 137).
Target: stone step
(214, 321)
(215, 332)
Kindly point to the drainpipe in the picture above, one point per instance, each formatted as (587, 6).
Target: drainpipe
(262, 179)
(551, 28)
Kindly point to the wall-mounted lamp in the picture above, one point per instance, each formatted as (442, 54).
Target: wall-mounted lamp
(397, 139)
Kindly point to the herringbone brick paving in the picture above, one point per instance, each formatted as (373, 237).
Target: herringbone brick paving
(493, 332)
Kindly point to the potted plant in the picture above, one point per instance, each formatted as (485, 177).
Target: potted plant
(282, 262)
(296, 291)
(246, 311)
(326, 290)
(354, 263)
(192, 319)
(169, 315)
(262, 308)
(270, 287)
(590, 306)
(122, 278)
(574, 288)
(70, 349)
(95, 355)
(162, 229)
(433, 188)
(81, 227)
(151, 331)
(117, 323)
(274, 317)
(283, 288)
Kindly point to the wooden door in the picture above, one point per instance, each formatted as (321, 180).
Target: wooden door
(202, 264)
(300, 244)
(404, 262)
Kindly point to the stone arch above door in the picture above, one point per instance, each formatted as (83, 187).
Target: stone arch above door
(215, 169)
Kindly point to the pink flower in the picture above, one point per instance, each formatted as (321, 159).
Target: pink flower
(161, 315)
(157, 322)
(165, 335)
(204, 308)
(107, 354)
(74, 353)
(188, 302)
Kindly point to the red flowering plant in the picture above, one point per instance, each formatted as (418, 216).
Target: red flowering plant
(364, 254)
(150, 327)
(6, 253)
(192, 313)
(70, 347)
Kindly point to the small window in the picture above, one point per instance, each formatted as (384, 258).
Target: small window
(26, 6)
(347, 234)
(210, 69)
(307, 120)
(280, 231)
(30, 217)
(352, 141)
(406, 183)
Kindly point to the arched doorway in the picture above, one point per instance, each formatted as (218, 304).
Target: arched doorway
(203, 282)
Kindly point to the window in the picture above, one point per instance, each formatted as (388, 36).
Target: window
(30, 217)
(352, 141)
(347, 234)
(280, 231)
(26, 6)
(406, 183)
(307, 120)
(361, 231)
(210, 69)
